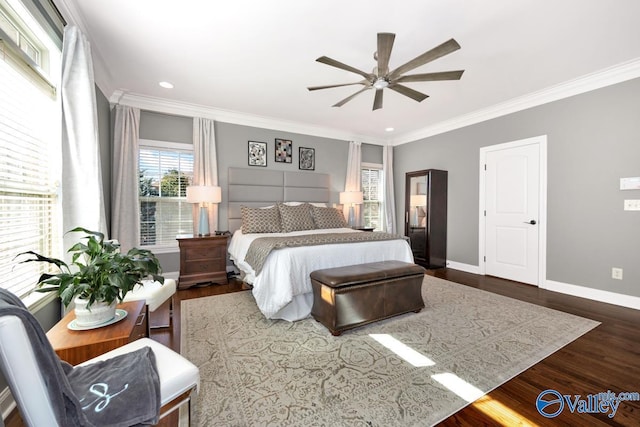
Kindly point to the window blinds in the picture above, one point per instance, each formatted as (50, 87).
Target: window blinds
(29, 147)
(164, 212)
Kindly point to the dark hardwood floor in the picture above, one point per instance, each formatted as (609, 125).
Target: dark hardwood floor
(606, 358)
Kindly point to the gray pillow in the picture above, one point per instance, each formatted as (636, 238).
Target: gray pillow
(328, 217)
(295, 218)
(261, 220)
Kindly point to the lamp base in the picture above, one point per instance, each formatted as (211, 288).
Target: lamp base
(352, 217)
(203, 223)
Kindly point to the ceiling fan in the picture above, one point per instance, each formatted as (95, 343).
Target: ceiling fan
(381, 78)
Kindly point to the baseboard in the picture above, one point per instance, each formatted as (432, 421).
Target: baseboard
(468, 268)
(7, 404)
(593, 294)
(569, 289)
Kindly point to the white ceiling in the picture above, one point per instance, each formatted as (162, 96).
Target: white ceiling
(257, 57)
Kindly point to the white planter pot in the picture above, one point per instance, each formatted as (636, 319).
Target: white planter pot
(99, 312)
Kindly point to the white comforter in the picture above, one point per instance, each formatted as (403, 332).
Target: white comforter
(283, 289)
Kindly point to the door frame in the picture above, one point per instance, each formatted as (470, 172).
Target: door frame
(541, 141)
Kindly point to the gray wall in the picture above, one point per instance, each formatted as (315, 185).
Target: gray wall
(593, 141)
(232, 149)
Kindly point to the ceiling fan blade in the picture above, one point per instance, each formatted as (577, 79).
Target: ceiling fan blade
(337, 85)
(406, 91)
(338, 64)
(350, 97)
(377, 101)
(433, 54)
(385, 44)
(430, 77)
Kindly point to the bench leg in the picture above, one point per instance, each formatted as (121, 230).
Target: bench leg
(170, 325)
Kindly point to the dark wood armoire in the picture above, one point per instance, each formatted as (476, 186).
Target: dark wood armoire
(425, 216)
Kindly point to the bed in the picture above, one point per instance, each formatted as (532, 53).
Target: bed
(281, 285)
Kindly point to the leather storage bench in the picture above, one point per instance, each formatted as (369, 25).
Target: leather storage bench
(354, 295)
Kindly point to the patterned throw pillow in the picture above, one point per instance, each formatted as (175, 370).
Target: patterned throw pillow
(328, 217)
(261, 220)
(295, 218)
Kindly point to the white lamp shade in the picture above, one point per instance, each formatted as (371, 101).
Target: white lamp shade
(204, 194)
(351, 197)
(418, 200)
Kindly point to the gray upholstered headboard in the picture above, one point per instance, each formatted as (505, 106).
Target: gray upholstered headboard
(263, 187)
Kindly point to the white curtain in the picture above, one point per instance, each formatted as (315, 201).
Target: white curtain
(353, 181)
(205, 166)
(125, 211)
(82, 192)
(389, 195)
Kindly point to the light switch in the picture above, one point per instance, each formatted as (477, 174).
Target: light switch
(632, 205)
(632, 183)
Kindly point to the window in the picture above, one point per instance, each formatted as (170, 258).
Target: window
(30, 157)
(19, 38)
(372, 189)
(165, 170)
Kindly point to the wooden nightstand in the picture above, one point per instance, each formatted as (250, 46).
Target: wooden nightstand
(202, 260)
(78, 346)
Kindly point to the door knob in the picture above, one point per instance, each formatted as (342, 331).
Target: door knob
(532, 222)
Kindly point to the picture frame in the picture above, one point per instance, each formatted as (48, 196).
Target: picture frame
(283, 150)
(307, 159)
(257, 153)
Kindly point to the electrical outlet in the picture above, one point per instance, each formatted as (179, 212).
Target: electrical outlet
(632, 205)
(616, 273)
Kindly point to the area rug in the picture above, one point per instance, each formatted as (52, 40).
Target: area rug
(466, 342)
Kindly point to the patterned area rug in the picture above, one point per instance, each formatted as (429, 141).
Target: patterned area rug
(259, 372)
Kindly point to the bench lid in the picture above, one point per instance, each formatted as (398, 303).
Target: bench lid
(364, 273)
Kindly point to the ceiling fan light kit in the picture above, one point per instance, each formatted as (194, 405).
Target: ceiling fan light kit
(382, 78)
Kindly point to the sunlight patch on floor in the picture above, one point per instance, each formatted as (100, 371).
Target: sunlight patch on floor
(492, 408)
(501, 413)
(459, 386)
(402, 350)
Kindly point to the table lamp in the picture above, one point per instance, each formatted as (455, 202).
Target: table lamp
(204, 194)
(352, 198)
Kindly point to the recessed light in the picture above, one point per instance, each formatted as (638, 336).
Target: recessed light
(389, 129)
(166, 85)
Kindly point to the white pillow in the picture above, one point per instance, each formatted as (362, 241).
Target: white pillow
(320, 205)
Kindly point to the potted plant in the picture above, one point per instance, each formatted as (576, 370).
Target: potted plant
(99, 276)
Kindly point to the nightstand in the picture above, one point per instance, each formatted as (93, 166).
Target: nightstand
(363, 228)
(202, 260)
(78, 346)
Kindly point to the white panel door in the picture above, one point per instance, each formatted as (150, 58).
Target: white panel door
(512, 213)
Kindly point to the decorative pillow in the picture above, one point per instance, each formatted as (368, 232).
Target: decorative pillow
(295, 218)
(261, 220)
(328, 217)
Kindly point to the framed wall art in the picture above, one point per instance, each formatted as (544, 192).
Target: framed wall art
(307, 159)
(257, 153)
(283, 150)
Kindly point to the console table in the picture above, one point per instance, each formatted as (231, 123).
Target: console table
(202, 260)
(78, 346)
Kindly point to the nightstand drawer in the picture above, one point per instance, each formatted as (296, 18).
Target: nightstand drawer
(203, 266)
(205, 252)
(140, 328)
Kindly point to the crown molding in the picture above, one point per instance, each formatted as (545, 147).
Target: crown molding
(179, 108)
(101, 74)
(607, 77)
